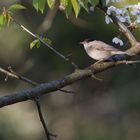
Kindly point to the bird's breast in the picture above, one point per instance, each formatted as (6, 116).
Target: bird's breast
(98, 54)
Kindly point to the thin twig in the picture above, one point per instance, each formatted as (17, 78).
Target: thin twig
(8, 73)
(46, 44)
(12, 74)
(48, 134)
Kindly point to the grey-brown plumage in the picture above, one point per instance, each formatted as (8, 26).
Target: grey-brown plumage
(99, 50)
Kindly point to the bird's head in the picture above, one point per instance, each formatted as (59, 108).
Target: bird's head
(86, 42)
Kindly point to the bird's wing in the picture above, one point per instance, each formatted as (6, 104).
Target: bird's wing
(104, 47)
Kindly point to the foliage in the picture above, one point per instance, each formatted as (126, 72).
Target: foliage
(39, 5)
(37, 43)
(6, 15)
(72, 5)
(68, 5)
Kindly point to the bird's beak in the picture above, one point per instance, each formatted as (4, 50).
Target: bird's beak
(81, 42)
(85, 41)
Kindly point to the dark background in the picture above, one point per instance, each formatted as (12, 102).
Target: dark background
(107, 110)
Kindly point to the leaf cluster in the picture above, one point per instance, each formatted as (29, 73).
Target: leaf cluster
(68, 5)
(5, 16)
(37, 43)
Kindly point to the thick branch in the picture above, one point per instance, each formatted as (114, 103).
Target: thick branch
(46, 88)
(75, 76)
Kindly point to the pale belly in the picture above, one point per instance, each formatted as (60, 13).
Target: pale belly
(98, 55)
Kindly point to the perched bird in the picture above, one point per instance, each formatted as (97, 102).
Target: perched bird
(101, 51)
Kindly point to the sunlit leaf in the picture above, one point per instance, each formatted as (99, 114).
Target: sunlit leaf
(38, 44)
(34, 43)
(68, 9)
(47, 40)
(16, 7)
(39, 5)
(1, 20)
(51, 3)
(7, 16)
(35, 4)
(64, 2)
(76, 7)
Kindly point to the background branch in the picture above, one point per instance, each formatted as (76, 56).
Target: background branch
(48, 20)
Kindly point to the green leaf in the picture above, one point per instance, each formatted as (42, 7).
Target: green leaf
(51, 3)
(64, 2)
(7, 18)
(42, 5)
(16, 7)
(67, 6)
(35, 43)
(39, 5)
(35, 4)
(47, 40)
(76, 7)
(94, 2)
(1, 20)
(38, 44)
(84, 3)
(68, 9)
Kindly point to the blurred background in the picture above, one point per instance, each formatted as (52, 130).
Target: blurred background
(107, 110)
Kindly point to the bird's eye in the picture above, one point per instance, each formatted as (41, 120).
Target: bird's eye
(90, 48)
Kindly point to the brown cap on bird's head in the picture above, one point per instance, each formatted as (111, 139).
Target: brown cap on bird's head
(85, 41)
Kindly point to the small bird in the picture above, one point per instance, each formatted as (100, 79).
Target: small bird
(101, 51)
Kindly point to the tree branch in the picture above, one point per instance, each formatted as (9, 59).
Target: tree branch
(11, 73)
(121, 26)
(46, 88)
(48, 134)
(46, 44)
